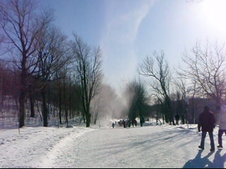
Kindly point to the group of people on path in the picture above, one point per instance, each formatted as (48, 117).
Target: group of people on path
(125, 123)
(207, 122)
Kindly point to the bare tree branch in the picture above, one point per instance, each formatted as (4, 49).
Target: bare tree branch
(206, 69)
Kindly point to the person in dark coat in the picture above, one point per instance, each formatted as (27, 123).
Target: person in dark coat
(124, 123)
(113, 125)
(177, 117)
(206, 124)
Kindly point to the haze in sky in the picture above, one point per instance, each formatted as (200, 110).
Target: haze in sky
(129, 30)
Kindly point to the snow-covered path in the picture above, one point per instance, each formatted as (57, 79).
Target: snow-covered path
(34, 146)
(140, 147)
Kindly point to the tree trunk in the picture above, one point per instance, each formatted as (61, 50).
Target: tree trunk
(95, 118)
(65, 102)
(193, 111)
(22, 94)
(44, 109)
(88, 116)
(60, 105)
(70, 101)
(22, 108)
(169, 111)
(66, 114)
(31, 104)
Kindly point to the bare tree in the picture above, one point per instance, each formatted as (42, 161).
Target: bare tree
(181, 90)
(22, 27)
(160, 74)
(206, 70)
(52, 55)
(88, 68)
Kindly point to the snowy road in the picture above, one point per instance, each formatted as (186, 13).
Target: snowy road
(152, 146)
(138, 147)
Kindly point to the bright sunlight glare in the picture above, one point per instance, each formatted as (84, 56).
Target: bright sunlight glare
(214, 13)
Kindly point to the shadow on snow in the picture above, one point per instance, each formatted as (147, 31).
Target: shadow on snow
(204, 162)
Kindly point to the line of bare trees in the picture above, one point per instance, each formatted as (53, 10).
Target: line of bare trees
(39, 64)
(48, 67)
(202, 76)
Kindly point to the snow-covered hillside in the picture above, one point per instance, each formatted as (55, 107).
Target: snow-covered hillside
(140, 147)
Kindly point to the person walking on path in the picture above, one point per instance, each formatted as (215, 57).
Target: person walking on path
(221, 121)
(206, 124)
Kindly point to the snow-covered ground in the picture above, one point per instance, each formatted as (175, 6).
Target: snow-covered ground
(139, 147)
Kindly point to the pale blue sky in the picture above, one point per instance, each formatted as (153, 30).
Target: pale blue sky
(129, 30)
